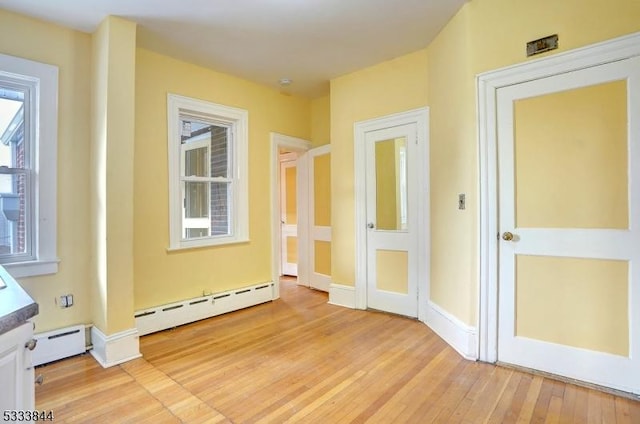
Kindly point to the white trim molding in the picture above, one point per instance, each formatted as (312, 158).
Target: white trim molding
(460, 336)
(116, 348)
(487, 87)
(341, 295)
(41, 82)
(237, 120)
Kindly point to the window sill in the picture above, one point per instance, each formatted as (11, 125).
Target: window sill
(209, 243)
(32, 268)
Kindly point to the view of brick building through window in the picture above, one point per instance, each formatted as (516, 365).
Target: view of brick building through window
(206, 204)
(13, 174)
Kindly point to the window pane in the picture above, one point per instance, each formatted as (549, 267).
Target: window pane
(219, 152)
(196, 200)
(195, 162)
(13, 232)
(12, 128)
(220, 201)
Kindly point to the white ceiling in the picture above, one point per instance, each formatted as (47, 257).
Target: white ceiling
(308, 41)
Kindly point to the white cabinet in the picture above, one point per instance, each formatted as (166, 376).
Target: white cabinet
(16, 370)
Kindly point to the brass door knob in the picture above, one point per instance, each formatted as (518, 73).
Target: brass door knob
(507, 236)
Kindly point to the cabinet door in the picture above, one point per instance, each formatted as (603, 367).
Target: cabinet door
(16, 372)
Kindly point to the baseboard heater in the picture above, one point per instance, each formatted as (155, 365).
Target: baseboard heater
(59, 344)
(174, 314)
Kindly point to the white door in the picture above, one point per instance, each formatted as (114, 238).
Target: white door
(320, 217)
(392, 218)
(569, 224)
(289, 214)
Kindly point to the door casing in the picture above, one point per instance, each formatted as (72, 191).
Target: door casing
(487, 85)
(420, 117)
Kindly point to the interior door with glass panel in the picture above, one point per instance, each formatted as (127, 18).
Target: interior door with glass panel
(569, 212)
(391, 220)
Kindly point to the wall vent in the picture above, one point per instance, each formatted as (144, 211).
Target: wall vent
(59, 344)
(172, 315)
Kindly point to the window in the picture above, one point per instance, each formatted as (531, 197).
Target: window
(208, 192)
(28, 147)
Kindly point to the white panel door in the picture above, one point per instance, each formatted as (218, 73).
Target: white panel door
(569, 224)
(320, 217)
(392, 219)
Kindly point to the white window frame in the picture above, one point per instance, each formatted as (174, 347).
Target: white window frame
(42, 80)
(238, 120)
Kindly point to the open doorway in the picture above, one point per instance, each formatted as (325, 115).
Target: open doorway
(290, 215)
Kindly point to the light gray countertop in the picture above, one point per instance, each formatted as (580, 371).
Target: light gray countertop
(16, 306)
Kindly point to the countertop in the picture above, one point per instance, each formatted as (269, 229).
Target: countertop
(16, 306)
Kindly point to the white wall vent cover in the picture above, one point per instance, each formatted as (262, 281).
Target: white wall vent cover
(59, 344)
(174, 314)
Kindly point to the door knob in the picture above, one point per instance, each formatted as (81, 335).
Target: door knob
(507, 236)
(31, 344)
(370, 225)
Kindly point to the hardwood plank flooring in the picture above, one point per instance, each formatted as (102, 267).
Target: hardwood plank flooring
(299, 359)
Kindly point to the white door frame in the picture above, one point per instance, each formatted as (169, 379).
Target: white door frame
(487, 85)
(420, 117)
(278, 142)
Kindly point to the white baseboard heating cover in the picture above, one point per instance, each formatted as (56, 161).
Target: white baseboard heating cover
(174, 314)
(59, 344)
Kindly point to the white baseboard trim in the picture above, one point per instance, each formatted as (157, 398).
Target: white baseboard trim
(116, 348)
(340, 295)
(456, 333)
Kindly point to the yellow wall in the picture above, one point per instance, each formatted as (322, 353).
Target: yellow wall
(71, 52)
(486, 35)
(160, 276)
(320, 121)
(389, 87)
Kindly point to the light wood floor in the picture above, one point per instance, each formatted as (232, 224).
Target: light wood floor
(299, 359)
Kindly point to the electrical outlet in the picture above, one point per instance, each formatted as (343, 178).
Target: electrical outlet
(66, 300)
